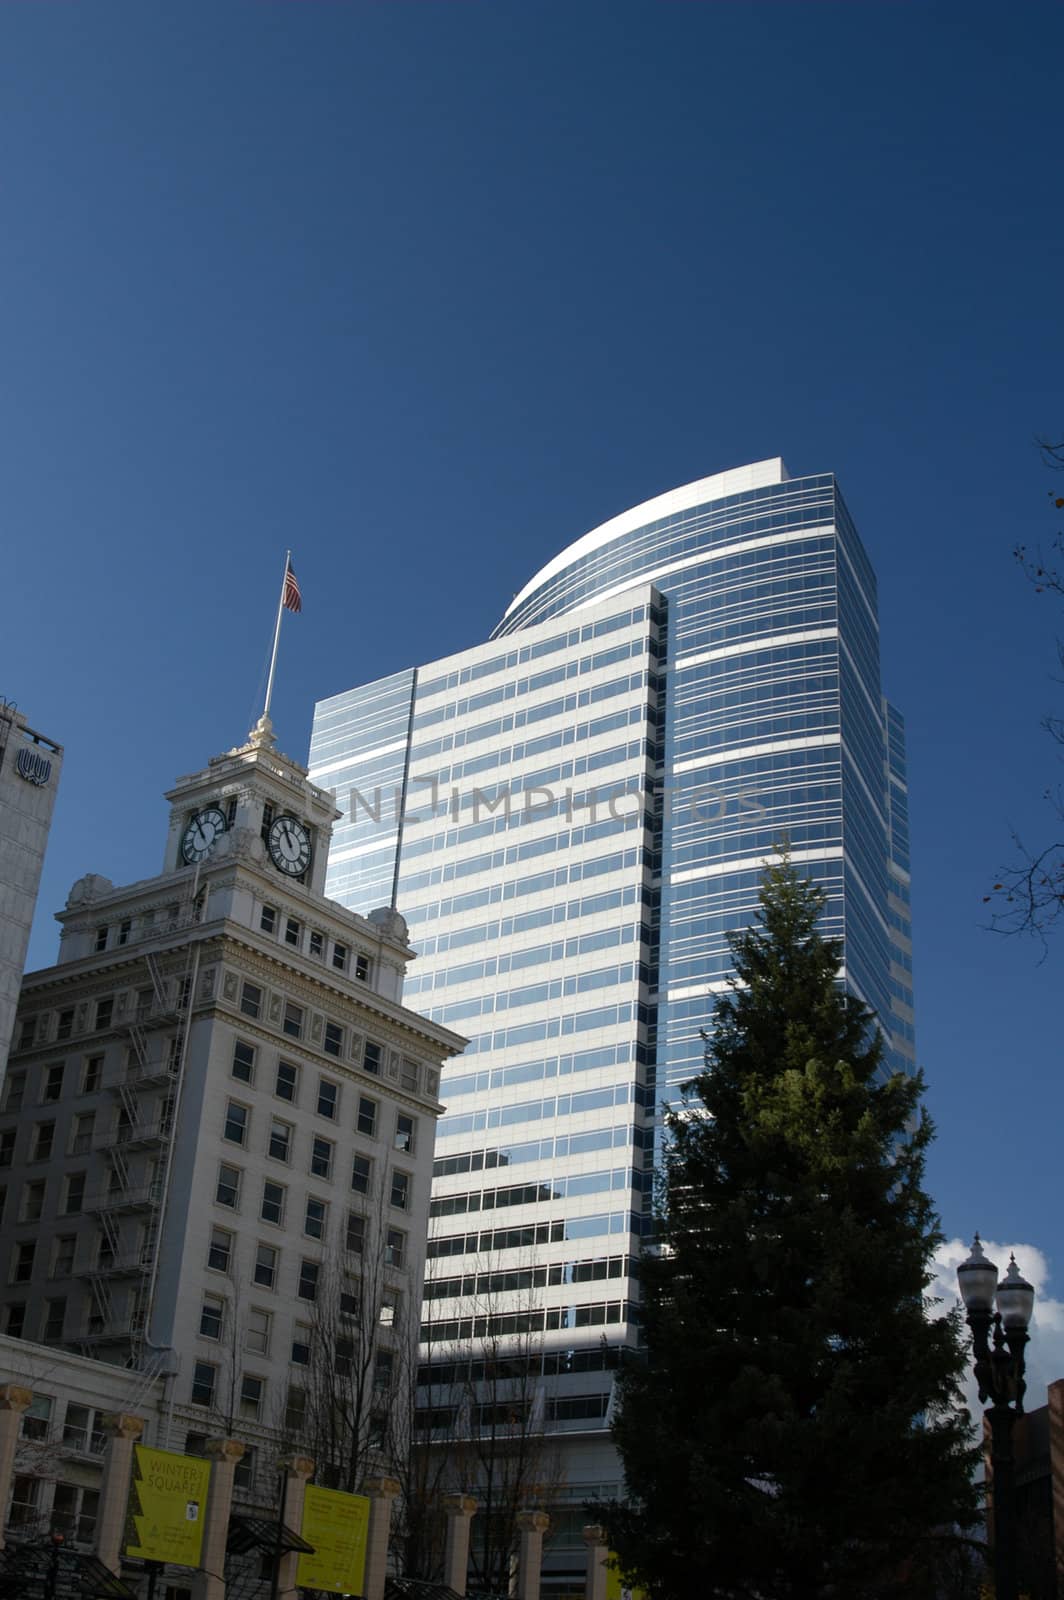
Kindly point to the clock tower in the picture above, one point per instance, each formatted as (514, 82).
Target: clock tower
(223, 1117)
(253, 793)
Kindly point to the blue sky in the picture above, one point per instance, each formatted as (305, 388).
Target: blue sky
(425, 290)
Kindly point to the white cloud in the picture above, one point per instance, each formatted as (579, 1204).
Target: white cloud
(1045, 1353)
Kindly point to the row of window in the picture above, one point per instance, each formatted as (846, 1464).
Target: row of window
(600, 1357)
(510, 1322)
(481, 1283)
(274, 1208)
(533, 652)
(336, 1040)
(280, 1146)
(287, 1079)
(525, 1194)
(313, 942)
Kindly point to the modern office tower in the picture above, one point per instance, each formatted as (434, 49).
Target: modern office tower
(218, 1122)
(30, 766)
(574, 816)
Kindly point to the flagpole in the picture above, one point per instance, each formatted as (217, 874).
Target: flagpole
(276, 638)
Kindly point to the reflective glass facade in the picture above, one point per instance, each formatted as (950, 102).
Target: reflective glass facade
(575, 815)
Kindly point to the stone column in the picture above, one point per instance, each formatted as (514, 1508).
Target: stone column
(381, 1492)
(209, 1584)
(13, 1402)
(296, 1469)
(459, 1509)
(532, 1525)
(123, 1431)
(597, 1551)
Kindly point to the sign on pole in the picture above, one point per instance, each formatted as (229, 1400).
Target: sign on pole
(336, 1524)
(167, 1502)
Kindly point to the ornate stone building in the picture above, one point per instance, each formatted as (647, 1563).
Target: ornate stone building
(218, 1113)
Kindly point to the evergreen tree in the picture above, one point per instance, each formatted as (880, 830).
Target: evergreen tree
(795, 1430)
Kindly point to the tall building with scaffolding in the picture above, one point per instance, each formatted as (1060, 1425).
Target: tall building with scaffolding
(215, 1096)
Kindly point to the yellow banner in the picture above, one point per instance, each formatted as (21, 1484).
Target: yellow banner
(336, 1524)
(616, 1588)
(167, 1506)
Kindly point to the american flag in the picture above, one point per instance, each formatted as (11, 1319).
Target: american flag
(293, 600)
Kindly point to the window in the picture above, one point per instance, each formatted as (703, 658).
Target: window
(292, 931)
(339, 957)
(27, 1033)
(74, 1512)
(362, 968)
(37, 1418)
(367, 1116)
(321, 1158)
(227, 1192)
(32, 1200)
(212, 1316)
(400, 1193)
(301, 1345)
(383, 1369)
(220, 1250)
(252, 1390)
(81, 1430)
(265, 1273)
(355, 1235)
(16, 1319)
(90, 1080)
(243, 1479)
(343, 1357)
(361, 1172)
(74, 1197)
(314, 1221)
(371, 1058)
(279, 1144)
(293, 1020)
(14, 1091)
(54, 1318)
(43, 1139)
(287, 1081)
(317, 944)
(244, 1061)
(65, 1026)
(404, 1133)
(268, 919)
(235, 1128)
(251, 999)
(295, 1409)
(257, 1339)
(81, 1131)
(22, 1266)
(334, 1039)
(100, 942)
(125, 929)
(52, 1088)
(7, 1146)
(24, 1495)
(63, 1255)
(328, 1098)
(204, 1381)
(391, 1300)
(272, 1208)
(395, 1247)
(104, 1009)
(309, 1273)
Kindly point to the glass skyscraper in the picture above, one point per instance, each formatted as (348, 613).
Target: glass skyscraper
(572, 817)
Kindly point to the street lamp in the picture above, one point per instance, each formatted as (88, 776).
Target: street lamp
(999, 1368)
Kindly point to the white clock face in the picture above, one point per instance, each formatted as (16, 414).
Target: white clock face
(202, 834)
(288, 842)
